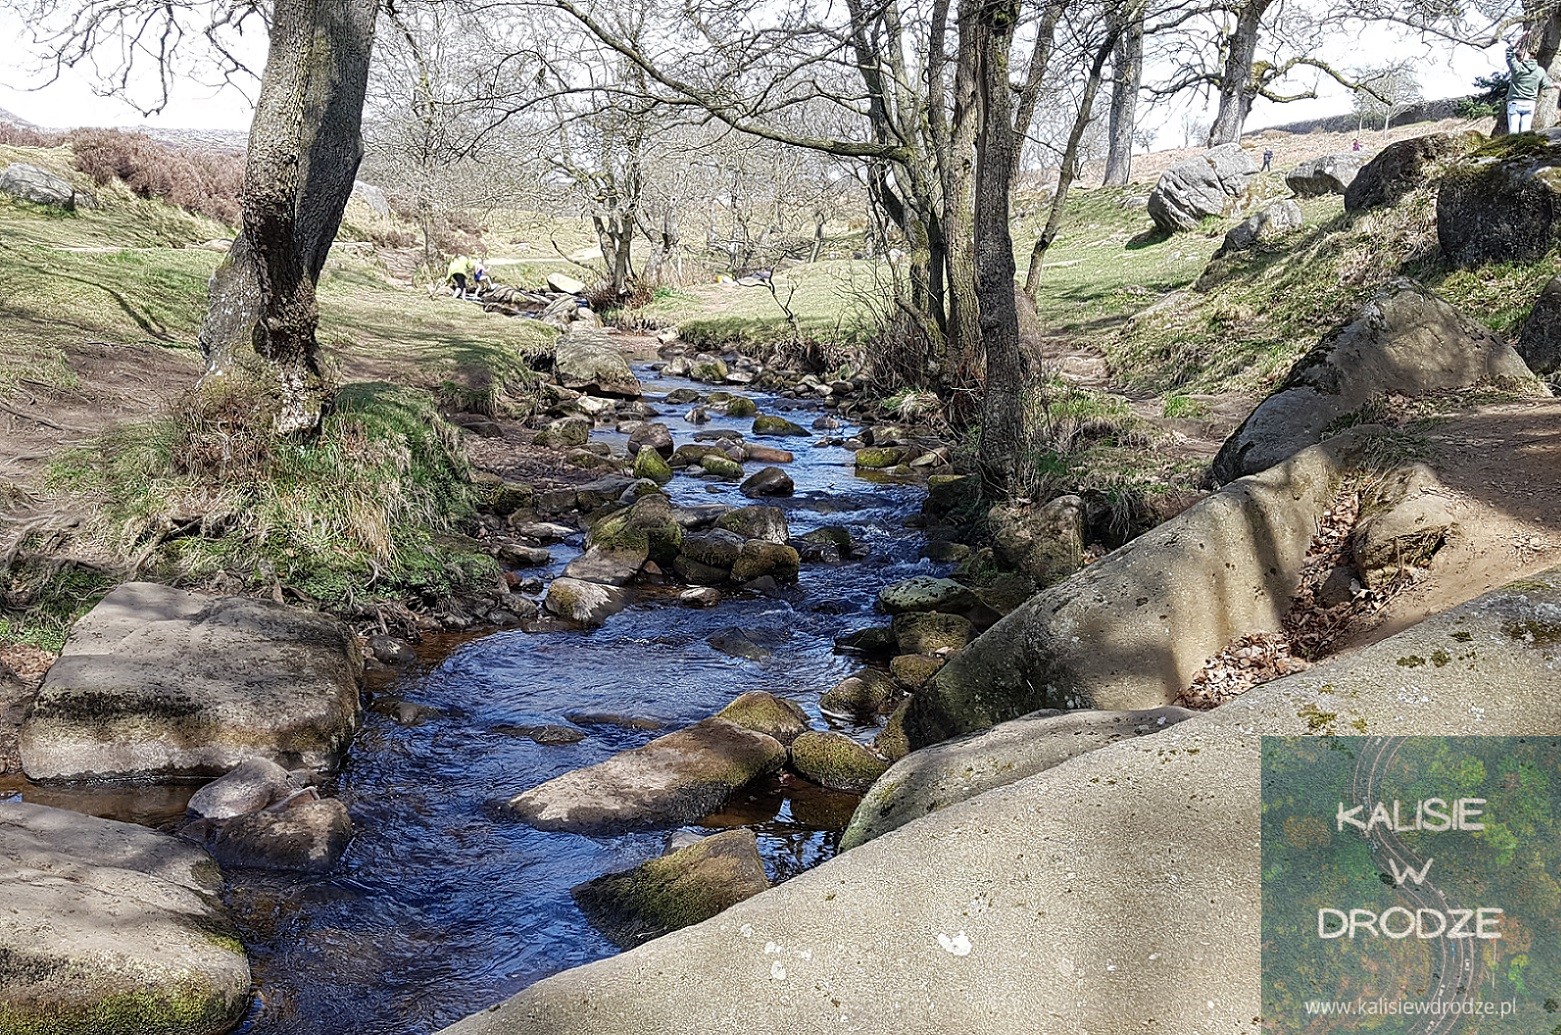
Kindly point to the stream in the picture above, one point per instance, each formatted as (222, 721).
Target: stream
(443, 905)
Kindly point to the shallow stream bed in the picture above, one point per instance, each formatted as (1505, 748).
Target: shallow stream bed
(443, 904)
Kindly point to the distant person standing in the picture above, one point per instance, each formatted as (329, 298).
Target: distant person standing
(1268, 159)
(1527, 80)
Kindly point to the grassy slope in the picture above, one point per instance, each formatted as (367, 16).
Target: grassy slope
(364, 508)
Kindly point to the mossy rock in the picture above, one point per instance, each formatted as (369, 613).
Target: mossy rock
(713, 548)
(863, 693)
(696, 574)
(769, 424)
(690, 454)
(1007, 592)
(721, 466)
(763, 712)
(680, 889)
(498, 496)
(711, 371)
(767, 523)
(930, 632)
(949, 493)
(836, 761)
(740, 406)
(892, 742)
(912, 671)
(759, 558)
(872, 641)
(565, 433)
(650, 464)
(649, 526)
(879, 458)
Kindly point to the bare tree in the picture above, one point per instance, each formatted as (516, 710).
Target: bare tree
(1126, 80)
(1385, 92)
(304, 150)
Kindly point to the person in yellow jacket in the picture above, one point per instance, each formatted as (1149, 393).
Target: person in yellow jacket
(461, 276)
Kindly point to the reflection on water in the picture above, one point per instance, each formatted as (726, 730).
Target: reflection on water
(443, 905)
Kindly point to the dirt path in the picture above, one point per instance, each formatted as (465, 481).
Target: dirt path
(115, 383)
(1500, 468)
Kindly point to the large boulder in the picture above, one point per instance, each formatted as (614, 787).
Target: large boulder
(1131, 630)
(39, 186)
(649, 527)
(112, 929)
(767, 523)
(1275, 219)
(1044, 542)
(1118, 893)
(1405, 340)
(925, 593)
(159, 684)
(1215, 183)
(673, 780)
(1330, 174)
(1539, 342)
(763, 712)
(1502, 203)
(588, 359)
(957, 770)
(1404, 166)
(684, 887)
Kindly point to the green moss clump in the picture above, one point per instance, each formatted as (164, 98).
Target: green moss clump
(741, 406)
(650, 464)
(768, 424)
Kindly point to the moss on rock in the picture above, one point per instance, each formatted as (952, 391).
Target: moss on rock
(836, 761)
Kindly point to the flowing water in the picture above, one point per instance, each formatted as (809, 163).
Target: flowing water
(443, 905)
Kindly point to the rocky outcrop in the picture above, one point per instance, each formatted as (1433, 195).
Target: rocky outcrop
(159, 684)
(1539, 343)
(1094, 887)
(957, 770)
(682, 888)
(1503, 202)
(39, 186)
(675, 779)
(587, 359)
(1330, 174)
(1131, 630)
(1215, 183)
(1274, 220)
(113, 929)
(1404, 166)
(1405, 340)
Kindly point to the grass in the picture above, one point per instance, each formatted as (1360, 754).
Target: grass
(834, 302)
(372, 509)
(368, 510)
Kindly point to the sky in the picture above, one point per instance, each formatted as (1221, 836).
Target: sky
(72, 102)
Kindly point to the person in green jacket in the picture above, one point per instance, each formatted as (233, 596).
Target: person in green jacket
(1527, 80)
(461, 276)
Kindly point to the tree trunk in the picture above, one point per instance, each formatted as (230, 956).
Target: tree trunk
(986, 34)
(1548, 53)
(1127, 77)
(304, 149)
(1068, 172)
(1238, 83)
